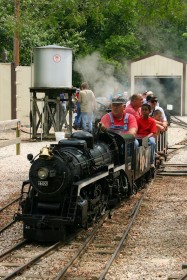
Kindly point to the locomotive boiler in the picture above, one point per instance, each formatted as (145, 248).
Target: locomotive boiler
(72, 183)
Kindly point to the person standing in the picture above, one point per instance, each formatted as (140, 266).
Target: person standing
(77, 120)
(87, 106)
(62, 110)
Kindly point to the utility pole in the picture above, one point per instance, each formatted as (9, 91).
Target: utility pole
(17, 33)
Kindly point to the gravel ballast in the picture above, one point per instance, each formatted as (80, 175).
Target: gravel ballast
(156, 245)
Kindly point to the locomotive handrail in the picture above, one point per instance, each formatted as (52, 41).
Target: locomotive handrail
(5, 125)
(85, 182)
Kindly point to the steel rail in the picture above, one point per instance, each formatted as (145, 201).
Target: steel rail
(82, 248)
(9, 204)
(32, 261)
(7, 226)
(15, 247)
(4, 208)
(124, 236)
(173, 173)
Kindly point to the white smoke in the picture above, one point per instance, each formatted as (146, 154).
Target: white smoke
(99, 75)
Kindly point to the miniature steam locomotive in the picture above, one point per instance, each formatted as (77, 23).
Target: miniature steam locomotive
(72, 183)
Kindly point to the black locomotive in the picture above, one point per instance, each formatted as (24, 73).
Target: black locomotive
(74, 182)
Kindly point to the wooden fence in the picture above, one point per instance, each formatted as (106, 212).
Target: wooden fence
(5, 125)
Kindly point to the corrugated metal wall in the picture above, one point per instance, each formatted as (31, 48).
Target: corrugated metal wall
(161, 70)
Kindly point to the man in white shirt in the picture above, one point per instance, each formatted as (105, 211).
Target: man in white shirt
(87, 105)
(154, 106)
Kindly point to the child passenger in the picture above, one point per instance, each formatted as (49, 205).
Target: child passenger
(159, 124)
(147, 127)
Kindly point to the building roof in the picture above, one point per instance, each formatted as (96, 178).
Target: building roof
(166, 56)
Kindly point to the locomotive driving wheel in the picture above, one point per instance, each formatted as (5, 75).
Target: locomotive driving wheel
(98, 201)
(124, 186)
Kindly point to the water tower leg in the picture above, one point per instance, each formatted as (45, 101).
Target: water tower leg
(34, 103)
(58, 114)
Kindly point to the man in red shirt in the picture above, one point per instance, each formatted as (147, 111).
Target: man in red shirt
(119, 121)
(134, 107)
(147, 127)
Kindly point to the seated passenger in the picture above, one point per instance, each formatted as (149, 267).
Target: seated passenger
(118, 120)
(134, 107)
(157, 115)
(144, 95)
(153, 102)
(160, 128)
(147, 127)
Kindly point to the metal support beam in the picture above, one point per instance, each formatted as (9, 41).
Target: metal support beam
(46, 111)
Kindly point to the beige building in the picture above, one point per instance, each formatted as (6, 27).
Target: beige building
(15, 86)
(166, 77)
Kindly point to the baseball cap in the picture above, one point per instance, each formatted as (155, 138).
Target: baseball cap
(153, 99)
(150, 92)
(118, 100)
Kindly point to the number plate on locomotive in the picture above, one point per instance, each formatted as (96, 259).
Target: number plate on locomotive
(43, 183)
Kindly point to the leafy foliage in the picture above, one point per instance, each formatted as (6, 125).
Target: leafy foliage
(119, 30)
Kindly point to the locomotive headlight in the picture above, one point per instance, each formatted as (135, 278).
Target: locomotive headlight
(43, 173)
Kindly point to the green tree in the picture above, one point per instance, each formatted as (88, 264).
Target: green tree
(119, 30)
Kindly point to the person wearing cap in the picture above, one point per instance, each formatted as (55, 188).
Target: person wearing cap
(153, 102)
(150, 93)
(118, 120)
(134, 107)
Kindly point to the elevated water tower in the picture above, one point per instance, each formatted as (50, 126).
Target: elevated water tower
(51, 76)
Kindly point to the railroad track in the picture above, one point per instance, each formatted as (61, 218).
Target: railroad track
(96, 249)
(178, 121)
(70, 259)
(100, 254)
(28, 254)
(174, 169)
(7, 213)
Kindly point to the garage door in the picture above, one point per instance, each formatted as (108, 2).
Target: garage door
(167, 89)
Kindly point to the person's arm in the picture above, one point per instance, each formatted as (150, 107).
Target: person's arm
(164, 119)
(158, 122)
(105, 120)
(132, 124)
(94, 103)
(153, 129)
(80, 97)
(132, 131)
(160, 127)
(165, 124)
(162, 124)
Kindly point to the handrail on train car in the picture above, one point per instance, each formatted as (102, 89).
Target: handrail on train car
(162, 142)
